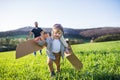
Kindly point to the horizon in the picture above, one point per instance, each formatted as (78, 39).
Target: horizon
(82, 14)
(64, 28)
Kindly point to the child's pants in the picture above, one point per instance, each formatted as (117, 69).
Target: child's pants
(57, 62)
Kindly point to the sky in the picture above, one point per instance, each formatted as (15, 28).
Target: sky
(81, 14)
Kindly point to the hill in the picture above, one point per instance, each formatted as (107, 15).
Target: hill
(69, 32)
(96, 32)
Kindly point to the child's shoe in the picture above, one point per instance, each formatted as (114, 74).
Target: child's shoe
(52, 73)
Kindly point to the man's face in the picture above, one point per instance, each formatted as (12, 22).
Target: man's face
(57, 33)
(36, 24)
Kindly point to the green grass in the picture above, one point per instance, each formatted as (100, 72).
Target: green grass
(101, 61)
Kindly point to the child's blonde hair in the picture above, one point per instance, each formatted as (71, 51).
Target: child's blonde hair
(58, 26)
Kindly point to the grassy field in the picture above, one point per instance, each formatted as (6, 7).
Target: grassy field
(101, 61)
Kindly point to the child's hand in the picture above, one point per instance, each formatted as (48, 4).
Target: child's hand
(37, 39)
(67, 50)
(40, 41)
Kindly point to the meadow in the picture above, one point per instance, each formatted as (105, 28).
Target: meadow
(101, 61)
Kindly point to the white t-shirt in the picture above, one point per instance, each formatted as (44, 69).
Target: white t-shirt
(56, 46)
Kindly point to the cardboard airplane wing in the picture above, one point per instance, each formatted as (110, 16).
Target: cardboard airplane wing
(30, 46)
(26, 48)
(72, 58)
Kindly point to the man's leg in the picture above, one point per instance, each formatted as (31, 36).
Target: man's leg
(41, 52)
(35, 53)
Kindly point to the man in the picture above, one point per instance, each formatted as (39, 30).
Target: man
(36, 31)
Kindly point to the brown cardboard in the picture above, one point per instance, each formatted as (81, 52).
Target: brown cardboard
(30, 46)
(73, 59)
(26, 48)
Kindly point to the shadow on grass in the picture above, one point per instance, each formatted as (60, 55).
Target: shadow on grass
(107, 77)
(72, 74)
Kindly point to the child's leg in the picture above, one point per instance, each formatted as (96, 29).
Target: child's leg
(57, 61)
(50, 65)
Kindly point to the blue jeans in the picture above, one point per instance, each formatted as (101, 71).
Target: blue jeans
(40, 52)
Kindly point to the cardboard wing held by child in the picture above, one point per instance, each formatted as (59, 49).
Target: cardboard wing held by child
(73, 59)
(26, 48)
(30, 46)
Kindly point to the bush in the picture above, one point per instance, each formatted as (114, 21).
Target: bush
(112, 37)
(7, 44)
(76, 41)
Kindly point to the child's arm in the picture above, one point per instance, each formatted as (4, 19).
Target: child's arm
(67, 47)
(30, 34)
(40, 40)
(63, 41)
(37, 39)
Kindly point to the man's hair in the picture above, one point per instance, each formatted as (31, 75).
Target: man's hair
(36, 22)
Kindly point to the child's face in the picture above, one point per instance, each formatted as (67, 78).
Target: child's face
(57, 33)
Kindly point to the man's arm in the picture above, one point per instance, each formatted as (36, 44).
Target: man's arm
(30, 34)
